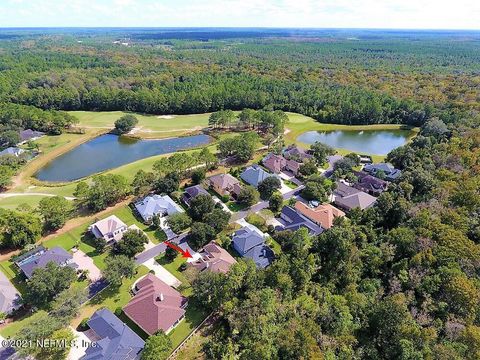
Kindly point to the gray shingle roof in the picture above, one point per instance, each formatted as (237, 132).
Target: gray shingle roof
(254, 175)
(250, 243)
(349, 198)
(117, 340)
(192, 192)
(9, 296)
(40, 257)
(294, 221)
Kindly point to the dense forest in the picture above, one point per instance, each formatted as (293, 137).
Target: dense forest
(400, 280)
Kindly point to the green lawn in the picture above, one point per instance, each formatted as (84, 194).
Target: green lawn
(149, 125)
(13, 202)
(174, 268)
(195, 314)
(236, 206)
(10, 330)
(13, 274)
(277, 249)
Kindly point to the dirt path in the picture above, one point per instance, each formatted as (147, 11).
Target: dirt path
(70, 225)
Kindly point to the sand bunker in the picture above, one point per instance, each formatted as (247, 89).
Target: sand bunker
(165, 117)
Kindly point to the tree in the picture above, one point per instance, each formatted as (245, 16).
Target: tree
(45, 283)
(9, 138)
(275, 202)
(18, 229)
(268, 186)
(201, 205)
(67, 304)
(198, 175)
(157, 347)
(6, 174)
(317, 188)
(103, 191)
(55, 211)
(321, 151)
(308, 168)
(247, 118)
(126, 123)
(142, 182)
(436, 128)
(179, 222)
(200, 234)
(133, 242)
(168, 184)
(248, 196)
(217, 219)
(118, 267)
(170, 253)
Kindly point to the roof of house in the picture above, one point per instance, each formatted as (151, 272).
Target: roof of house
(323, 214)
(156, 305)
(261, 255)
(109, 225)
(116, 339)
(370, 183)
(10, 298)
(156, 204)
(192, 192)
(293, 151)
(350, 198)
(30, 134)
(12, 151)
(390, 172)
(41, 257)
(295, 220)
(247, 238)
(254, 175)
(274, 163)
(223, 181)
(293, 165)
(214, 258)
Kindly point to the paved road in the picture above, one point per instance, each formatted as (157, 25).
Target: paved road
(180, 240)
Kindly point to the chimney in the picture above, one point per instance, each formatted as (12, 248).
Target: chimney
(160, 297)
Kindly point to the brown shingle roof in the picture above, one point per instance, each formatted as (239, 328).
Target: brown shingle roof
(322, 215)
(156, 306)
(214, 258)
(223, 181)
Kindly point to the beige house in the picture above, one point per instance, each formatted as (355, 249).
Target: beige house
(110, 229)
(225, 184)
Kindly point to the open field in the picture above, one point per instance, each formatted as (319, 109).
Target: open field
(149, 126)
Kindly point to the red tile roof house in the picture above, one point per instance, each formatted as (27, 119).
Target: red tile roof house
(225, 184)
(155, 306)
(274, 163)
(214, 258)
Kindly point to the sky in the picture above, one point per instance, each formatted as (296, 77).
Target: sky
(393, 14)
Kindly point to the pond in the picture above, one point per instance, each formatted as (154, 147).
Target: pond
(377, 142)
(111, 151)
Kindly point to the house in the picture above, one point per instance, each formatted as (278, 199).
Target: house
(40, 257)
(348, 198)
(254, 175)
(10, 299)
(370, 184)
(294, 220)
(293, 152)
(249, 242)
(322, 215)
(110, 229)
(192, 192)
(388, 170)
(12, 151)
(225, 185)
(155, 306)
(274, 163)
(156, 205)
(113, 338)
(29, 134)
(214, 258)
(293, 166)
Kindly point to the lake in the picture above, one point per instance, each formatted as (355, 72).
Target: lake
(111, 151)
(377, 142)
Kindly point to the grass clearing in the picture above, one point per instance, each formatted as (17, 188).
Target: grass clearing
(13, 328)
(149, 126)
(194, 315)
(12, 202)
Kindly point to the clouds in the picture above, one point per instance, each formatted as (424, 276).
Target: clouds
(443, 14)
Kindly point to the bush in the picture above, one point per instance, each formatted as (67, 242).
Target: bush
(83, 325)
(118, 311)
(126, 123)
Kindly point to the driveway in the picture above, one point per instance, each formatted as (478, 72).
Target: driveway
(77, 351)
(85, 262)
(180, 240)
(162, 273)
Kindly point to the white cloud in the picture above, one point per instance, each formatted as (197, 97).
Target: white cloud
(444, 14)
